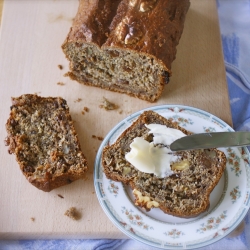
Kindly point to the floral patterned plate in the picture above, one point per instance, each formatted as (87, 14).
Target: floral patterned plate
(229, 201)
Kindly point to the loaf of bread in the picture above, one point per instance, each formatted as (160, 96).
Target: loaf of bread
(126, 46)
(42, 137)
(183, 193)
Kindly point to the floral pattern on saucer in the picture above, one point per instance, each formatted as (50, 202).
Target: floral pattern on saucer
(212, 223)
(209, 129)
(174, 233)
(136, 219)
(234, 161)
(181, 121)
(235, 194)
(113, 188)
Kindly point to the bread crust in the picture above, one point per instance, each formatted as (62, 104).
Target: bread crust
(149, 28)
(190, 186)
(42, 136)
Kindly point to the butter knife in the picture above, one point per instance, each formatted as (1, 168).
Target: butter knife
(211, 140)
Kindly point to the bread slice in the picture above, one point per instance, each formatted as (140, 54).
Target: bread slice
(126, 46)
(186, 192)
(42, 137)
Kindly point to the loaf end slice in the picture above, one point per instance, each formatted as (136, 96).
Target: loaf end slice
(41, 134)
(128, 47)
(185, 193)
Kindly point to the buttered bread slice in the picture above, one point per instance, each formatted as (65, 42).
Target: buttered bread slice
(179, 183)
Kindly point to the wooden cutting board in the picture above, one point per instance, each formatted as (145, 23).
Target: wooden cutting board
(31, 35)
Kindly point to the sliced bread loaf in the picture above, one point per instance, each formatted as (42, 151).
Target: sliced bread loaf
(42, 137)
(183, 193)
(126, 46)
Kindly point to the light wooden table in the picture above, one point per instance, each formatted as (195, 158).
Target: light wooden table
(1, 8)
(30, 65)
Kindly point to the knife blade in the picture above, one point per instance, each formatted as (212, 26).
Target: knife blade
(211, 140)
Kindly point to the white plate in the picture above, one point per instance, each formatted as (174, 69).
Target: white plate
(229, 201)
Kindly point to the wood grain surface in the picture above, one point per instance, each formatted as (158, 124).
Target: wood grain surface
(30, 39)
(1, 9)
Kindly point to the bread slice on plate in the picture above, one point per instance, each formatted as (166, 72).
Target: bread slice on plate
(42, 136)
(184, 191)
(126, 46)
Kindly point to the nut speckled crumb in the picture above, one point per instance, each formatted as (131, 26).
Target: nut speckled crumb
(78, 100)
(60, 83)
(73, 213)
(107, 105)
(86, 109)
(100, 138)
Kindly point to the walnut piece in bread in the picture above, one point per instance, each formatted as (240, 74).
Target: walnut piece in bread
(42, 136)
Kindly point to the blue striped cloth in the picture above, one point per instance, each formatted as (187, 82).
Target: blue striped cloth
(234, 16)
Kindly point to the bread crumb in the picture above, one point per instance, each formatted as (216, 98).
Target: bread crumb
(85, 109)
(60, 66)
(32, 218)
(73, 213)
(120, 112)
(78, 100)
(66, 74)
(107, 105)
(97, 137)
(59, 195)
(60, 83)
